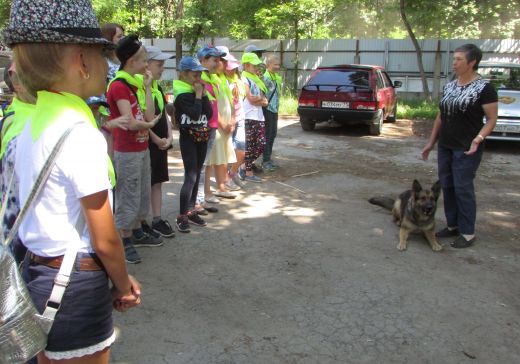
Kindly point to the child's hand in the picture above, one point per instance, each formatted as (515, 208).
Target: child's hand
(198, 88)
(148, 78)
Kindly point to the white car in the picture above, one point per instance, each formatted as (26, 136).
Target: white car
(506, 79)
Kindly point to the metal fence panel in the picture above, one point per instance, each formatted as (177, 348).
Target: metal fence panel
(397, 55)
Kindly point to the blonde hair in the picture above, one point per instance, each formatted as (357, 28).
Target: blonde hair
(39, 65)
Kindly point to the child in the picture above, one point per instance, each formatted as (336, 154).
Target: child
(273, 82)
(131, 155)
(254, 117)
(192, 112)
(161, 140)
(238, 90)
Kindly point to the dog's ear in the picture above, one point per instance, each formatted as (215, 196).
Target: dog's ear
(436, 189)
(416, 187)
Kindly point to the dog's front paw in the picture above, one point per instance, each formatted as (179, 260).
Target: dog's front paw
(436, 247)
(401, 247)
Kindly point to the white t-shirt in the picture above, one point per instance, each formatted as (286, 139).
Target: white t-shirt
(81, 169)
(253, 112)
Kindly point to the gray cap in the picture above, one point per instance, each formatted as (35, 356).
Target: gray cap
(253, 48)
(156, 54)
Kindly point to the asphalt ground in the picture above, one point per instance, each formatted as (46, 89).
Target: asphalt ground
(301, 269)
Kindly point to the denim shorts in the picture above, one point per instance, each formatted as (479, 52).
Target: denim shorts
(85, 315)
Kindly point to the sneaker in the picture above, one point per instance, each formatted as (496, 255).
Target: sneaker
(257, 169)
(196, 219)
(131, 255)
(147, 240)
(183, 224)
(447, 233)
(237, 180)
(224, 194)
(462, 243)
(268, 166)
(163, 228)
(212, 199)
(253, 178)
(150, 231)
(232, 186)
(241, 174)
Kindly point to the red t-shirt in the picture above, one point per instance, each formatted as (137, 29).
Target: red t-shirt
(126, 140)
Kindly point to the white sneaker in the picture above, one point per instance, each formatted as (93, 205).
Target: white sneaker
(232, 186)
(224, 194)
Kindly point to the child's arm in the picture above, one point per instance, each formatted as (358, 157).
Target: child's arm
(149, 114)
(189, 106)
(253, 100)
(125, 109)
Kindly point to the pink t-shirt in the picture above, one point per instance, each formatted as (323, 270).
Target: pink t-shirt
(213, 122)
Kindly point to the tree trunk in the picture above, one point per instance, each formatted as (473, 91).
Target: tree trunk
(296, 56)
(418, 51)
(179, 14)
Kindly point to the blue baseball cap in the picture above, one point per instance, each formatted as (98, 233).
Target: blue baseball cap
(189, 63)
(97, 100)
(209, 51)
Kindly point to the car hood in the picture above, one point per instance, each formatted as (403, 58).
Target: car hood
(509, 103)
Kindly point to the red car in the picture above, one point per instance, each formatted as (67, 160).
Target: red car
(353, 94)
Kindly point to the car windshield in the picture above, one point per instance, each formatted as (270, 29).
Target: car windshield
(357, 78)
(502, 77)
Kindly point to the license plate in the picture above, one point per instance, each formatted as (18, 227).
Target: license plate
(507, 128)
(335, 104)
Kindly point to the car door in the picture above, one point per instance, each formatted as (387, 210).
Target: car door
(390, 91)
(382, 96)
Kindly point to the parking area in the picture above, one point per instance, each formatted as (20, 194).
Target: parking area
(302, 269)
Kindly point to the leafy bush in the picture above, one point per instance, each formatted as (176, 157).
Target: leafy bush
(415, 109)
(406, 109)
(288, 105)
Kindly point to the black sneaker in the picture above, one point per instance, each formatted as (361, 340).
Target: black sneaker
(147, 240)
(150, 231)
(447, 233)
(196, 219)
(131, 255)
(163, 228)
(183, 224)
(462, 243)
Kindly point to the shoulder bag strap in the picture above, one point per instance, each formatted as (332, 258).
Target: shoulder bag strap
(274, 91)
(38, 185)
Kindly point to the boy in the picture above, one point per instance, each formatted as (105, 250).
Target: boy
(273, 82)
(126, 96)
(161, 140)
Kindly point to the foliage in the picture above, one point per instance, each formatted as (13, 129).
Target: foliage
(288, 105)
(256, 19)
(416, 109)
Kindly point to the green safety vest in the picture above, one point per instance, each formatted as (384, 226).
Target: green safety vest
(53, 106)
(13, 125)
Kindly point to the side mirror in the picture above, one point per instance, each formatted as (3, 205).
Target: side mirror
(397, 84)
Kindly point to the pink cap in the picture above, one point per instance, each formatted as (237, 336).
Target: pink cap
(231, 65)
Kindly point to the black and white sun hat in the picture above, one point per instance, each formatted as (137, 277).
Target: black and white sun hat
(53, 21)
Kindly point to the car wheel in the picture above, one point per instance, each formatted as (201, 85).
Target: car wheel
(377, 125)
(391, 118)
(307, 125)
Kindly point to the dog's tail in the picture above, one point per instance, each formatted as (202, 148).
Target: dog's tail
(385, 202)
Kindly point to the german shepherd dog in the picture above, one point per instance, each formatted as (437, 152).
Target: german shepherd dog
(413, 210)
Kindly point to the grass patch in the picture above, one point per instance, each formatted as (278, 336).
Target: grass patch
(288, 105)
(406, 109)
(415, 109)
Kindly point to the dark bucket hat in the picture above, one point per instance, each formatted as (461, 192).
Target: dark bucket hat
(53, 21)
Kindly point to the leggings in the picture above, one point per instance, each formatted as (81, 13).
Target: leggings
(255, 141)
(193, 155)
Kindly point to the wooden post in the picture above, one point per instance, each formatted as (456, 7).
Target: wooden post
(437, 72)
(357, 57)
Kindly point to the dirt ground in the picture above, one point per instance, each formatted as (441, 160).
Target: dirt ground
(301, 269)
